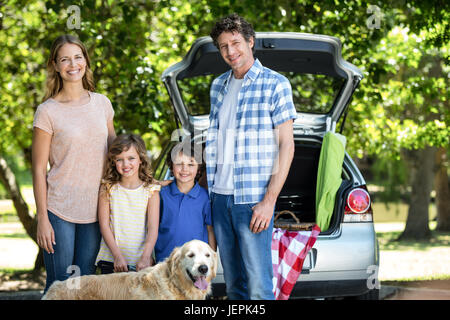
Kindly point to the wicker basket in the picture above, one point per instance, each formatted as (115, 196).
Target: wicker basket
(291, 224)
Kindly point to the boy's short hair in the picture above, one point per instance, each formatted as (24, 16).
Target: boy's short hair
(191, 149)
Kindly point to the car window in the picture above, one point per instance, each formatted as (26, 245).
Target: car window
(312, 93)
(195, 93)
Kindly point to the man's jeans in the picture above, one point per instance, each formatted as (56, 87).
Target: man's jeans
(245, 256)
(76, 249)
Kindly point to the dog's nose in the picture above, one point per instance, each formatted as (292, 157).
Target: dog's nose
(203, 269)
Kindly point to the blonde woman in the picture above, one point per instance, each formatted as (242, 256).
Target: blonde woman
(71, 131)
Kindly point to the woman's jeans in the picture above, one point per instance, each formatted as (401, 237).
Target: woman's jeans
(75, 251)
(246, 257)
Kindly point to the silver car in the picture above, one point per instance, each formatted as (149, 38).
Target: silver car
(344, 260)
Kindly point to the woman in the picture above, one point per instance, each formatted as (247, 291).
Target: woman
(71, 131)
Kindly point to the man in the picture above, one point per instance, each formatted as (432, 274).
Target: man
(249, 150)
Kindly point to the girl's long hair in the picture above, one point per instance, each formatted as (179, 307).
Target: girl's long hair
(122, 143)
(54, 81)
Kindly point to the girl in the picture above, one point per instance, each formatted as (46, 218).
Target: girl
(71, 131)
(185, 206)
(128, 208)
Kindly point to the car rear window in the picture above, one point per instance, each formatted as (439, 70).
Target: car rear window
(312, 93)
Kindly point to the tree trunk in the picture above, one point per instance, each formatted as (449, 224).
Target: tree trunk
(39, 262)
(421, 169)
(8, 179)
(441, 185)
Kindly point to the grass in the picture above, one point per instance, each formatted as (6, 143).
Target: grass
(419, 278)
(14, 271)
(8, 217)
(395, 212)
(7, 210)
(388, 240)
(18, 235)
(21, 280)
(408, 260)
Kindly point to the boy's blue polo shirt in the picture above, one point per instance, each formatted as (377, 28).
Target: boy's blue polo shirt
(183, 217)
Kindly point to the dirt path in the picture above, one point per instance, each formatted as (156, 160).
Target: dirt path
(421, 290)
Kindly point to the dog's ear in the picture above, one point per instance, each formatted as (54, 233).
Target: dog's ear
(173, 260)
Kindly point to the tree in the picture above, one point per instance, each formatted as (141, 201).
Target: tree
(410, 118)
(441, 183)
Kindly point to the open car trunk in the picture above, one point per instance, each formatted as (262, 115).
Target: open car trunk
(299, 191)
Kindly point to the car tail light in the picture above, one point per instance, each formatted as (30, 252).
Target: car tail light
(358, 206)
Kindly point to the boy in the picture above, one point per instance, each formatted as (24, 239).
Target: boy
(185, 210)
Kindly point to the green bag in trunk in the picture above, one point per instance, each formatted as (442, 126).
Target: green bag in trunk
(329, 177)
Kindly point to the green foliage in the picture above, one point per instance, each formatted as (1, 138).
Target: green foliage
(408, 108)
(392, 176)
(401, 103)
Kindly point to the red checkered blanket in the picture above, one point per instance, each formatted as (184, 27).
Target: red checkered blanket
(289, 250)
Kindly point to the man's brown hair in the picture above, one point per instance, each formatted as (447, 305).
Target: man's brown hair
(232, 23)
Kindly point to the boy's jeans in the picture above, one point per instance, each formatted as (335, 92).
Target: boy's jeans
(76, 249)
(245, 256)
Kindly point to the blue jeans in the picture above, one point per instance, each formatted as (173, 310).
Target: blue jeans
(77, 245)
(246, 257)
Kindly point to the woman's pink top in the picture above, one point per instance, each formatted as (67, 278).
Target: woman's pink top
(77, 154)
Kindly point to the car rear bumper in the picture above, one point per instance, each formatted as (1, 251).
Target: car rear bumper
(315, 289)
(333, 288)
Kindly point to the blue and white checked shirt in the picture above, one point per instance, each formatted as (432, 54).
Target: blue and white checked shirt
(264, 102)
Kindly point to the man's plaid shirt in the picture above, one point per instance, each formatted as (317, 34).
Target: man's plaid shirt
(264, 102)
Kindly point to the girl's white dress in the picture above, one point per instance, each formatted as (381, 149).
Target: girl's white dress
(128, 221)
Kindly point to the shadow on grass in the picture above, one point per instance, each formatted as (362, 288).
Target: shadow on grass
(21, 235)
(8, 217)
(21, 280)
(389, 241)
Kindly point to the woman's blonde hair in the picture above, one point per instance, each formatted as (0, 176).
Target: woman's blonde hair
(122, 143)
(54, 81)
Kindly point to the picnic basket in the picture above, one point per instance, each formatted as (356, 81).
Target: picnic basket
(291, 224)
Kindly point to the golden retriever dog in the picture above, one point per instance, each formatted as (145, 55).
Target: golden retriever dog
(185, 275)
